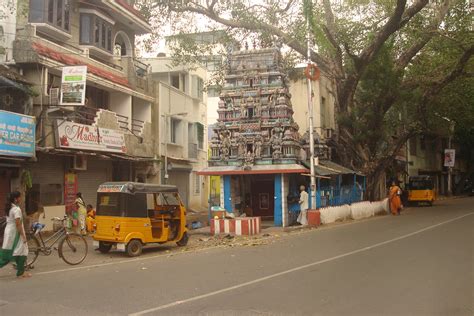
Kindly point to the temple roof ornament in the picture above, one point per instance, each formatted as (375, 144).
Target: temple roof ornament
(255, 124)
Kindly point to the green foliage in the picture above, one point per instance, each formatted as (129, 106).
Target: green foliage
(391, 79)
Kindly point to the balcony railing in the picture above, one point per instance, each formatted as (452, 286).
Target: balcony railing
(123, 122)
(137, 126)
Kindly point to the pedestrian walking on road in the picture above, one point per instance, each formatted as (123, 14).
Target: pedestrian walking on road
(394, 198)
(15, 246)
(302, 217)
(81, 212)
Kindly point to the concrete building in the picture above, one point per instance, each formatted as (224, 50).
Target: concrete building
(182, 139)
(107, 137)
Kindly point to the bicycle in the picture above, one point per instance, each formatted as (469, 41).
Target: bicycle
(72, 247)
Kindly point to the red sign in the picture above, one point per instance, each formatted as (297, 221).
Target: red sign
(70, 191)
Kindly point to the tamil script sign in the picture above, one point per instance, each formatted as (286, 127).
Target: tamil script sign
(79, 136)
(73, 85)
(449, 157)
(17, 134)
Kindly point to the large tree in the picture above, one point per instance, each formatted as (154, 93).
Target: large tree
(390, 61)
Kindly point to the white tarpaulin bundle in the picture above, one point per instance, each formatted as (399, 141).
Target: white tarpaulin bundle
(335, 213)
(355, 211)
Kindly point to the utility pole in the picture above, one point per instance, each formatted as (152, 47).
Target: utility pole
(310, 113)
(450, 169)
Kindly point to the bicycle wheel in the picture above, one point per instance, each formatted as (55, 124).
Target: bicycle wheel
(33, 249)
(73, 248)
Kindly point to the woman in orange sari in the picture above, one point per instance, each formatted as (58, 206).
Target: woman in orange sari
(394, 198)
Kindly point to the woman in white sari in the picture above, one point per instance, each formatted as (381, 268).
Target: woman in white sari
(15, 246)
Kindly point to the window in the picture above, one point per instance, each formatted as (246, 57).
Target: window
(95, 31)
(200, 135)
(423, 143)
(197, 183)
(175, 81)
(200, 88)
(174, 130)
(53, 12)
(323, 112)
(412, 145)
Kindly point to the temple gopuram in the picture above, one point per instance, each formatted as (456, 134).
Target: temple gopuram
(256, 147)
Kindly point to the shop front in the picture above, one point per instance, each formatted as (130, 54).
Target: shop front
(17, 146)
(263, 191)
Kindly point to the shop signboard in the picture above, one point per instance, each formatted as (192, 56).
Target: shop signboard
(17, 134)
(70, 135)
(73, 85)
(449, 157)
(70, 191)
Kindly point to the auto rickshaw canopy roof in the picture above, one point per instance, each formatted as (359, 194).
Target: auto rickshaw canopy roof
(136, 187)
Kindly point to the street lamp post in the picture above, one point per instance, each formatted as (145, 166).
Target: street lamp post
(311, 123)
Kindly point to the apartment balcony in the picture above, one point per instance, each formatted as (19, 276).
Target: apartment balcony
(63, 124)
(117, 73)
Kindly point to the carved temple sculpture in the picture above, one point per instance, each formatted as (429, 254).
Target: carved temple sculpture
(255, 124)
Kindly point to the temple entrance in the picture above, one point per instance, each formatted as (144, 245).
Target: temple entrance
(262, 196)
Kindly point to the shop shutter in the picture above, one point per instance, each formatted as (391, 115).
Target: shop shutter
(47, 176)
(98, 171)
(181, 180)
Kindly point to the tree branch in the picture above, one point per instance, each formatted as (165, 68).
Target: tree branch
(256, 26)
(411, 52)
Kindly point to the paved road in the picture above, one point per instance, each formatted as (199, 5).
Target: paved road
(420, 263)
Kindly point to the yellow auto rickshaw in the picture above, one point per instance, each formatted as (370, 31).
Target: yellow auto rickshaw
(421, 189)
(130, 215)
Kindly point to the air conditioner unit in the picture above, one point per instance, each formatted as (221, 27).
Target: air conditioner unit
(79, 162)
(54, 96)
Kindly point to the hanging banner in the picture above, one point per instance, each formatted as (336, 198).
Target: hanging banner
(449, 157)
(78, 136)
(17, 134)
(70, 191)
(73, 85)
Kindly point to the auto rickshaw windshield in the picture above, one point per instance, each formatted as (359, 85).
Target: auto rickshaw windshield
(168, 199)
(122, 204)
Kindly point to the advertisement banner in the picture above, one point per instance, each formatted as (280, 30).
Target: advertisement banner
(449, 157)
(78, 136)
(17, 134)
(73, 85)
(70, 191)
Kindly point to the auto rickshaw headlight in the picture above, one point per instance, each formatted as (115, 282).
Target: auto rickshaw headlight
(130, 187)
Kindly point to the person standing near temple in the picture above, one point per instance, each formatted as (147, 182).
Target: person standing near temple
(302, 217)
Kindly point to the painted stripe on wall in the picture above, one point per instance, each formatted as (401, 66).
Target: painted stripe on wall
(238, 227)
(227, 194)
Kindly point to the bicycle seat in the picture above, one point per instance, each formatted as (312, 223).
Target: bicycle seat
(36, 227)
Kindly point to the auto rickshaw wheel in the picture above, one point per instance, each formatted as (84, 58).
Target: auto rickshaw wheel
(134, 248)
(104, 247)
(184, 240)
